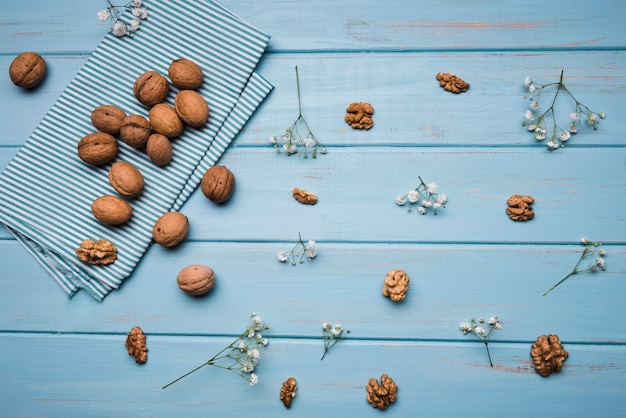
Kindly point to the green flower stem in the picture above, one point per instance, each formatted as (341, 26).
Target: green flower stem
(488, 353)
(574, 270)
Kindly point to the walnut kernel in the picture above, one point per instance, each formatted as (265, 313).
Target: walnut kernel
(136, 345)
(452, 83)
(359, 115)
(304, 197)
(288, 391)
(519, 208)
(396, 285)
(100, 253)
(381, 395)
(548, 354)
(27, 70)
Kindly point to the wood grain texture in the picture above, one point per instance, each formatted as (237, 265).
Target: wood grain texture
(67, 357)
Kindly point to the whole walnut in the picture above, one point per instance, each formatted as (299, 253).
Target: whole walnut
(97, 148)
(159, 149)
(185, 74)
(191, 108)
(111, 210)
(548, 354)
(381, 395)
(165, 121)
(396, 285)
(126, 179)
(135, 131)
(108, 118)
(170, 229)
(196, 279)
(99, 253)
(27, 70)
(151, 88)
(218, 184)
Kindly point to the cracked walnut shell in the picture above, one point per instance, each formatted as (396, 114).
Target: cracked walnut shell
(548, 354)
(136, 345)
(288, 391)
(100, 253)
(519, 208)
(359, 115)
(304, 197)
(381, 395)
(452, 83)
(396, 285)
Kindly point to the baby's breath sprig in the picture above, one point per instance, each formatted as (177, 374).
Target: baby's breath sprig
(425, 196)
(332, 335)
(292, 142)
(591, 249)
(120, 27)
(298, 253)
(477, 328)
(536, 121)
(242, 356)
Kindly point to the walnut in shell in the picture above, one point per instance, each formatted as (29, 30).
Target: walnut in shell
(359, 115)
(108, 118)
(135, 131)
(196, 279)
(396, 285)
(381, 395)
(452, 83)
(288, 391)
(126, 179)
(165, 121)
(100, 253)
(151, 88)
(27, 70)
(519, 208)
(191, 108)
(185, 74)
(159, 149)
(170, 229)
(548, 354)
(136, 345)
(111, 210)
(97, 148)
(218, 184)
(303, 196)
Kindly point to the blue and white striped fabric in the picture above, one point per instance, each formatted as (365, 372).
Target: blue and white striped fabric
(47, 190)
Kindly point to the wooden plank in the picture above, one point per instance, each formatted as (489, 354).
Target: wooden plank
(449, 285)
(395, 25)
(70, 375)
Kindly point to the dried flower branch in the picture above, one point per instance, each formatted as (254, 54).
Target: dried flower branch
(477, 329)
(597, 265)
(120, 27)
(297, 254)
(424, 195)
(536, 122)
(292, 141)
(242, 356)
(332, 335)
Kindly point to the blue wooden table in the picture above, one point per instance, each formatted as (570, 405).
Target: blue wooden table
(63, 357)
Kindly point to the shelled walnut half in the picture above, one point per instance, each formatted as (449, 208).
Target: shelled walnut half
(359, 115)
(452, 83)
(548, 354)
(381, 395)
(136, 345)
(396, 285)
(519, 208)
(304, 197)
(288, 391)
(102, 252)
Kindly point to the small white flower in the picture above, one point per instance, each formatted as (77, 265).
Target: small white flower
(602, 253)
(413, 196)
(591, 118)
(442, 198)
(326, 326)
(336, 330)
(141, 13)
(400, 201)
(254, 379)
(436, 205)
(104, 15)
(137, 3)
(251, 333)
(309, 142)
(497, 326)
(273, 139)
(602, 115)
(534, 105)
(119, 29)
(282, 257)
(531, 88)
(532, 127)
(479, 330)
(264, 342)
(573, 129)
(432, 188)
(465, 327)
(287, 136)
(258, 322)
(253, 354)
(528, 81)
(573, 116)
(421, 210)
(241, 346)
(323, 150)
(564, 136)
(247, 367)
(493, 320)
(134, 25)
(427, 203)
(600, 263)
(584, 241)
(311, 252)
(540, 136)
(529, 115)
(552, 145)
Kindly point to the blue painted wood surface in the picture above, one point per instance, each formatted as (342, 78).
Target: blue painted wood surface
(62, 357)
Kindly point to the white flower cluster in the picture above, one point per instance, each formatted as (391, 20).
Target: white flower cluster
(424, 196)
(242, 356)
(120, 27)
(297, 254)
(478, 329)
(332, 335)
(535, 121)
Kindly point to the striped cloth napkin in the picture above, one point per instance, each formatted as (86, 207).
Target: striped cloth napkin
(47, 190)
